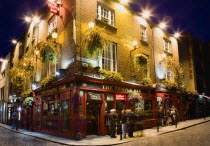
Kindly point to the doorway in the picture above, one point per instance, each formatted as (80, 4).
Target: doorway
(93, 115)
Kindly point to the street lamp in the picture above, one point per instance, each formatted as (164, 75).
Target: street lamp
(27, 19)
(14, 41)
(123, 1)
(36, 19)
(177, 35)
(146, 14)
(162, 25)
(91, 24)
(54, 35)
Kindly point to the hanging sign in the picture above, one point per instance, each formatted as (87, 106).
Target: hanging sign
(94, 96)
(120, 97)
(53, 7)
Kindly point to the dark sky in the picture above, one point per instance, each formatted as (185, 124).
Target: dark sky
(184, 15)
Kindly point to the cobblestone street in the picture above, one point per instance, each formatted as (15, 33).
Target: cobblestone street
(189, 133)
(10, 138)
(193, 136)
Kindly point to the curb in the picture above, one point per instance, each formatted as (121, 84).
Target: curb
(54, 141)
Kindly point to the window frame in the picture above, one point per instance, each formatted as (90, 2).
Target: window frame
(167, 45)
(143, 33)
(105, 14)
(54, 21)
(169, 74)
(112, 47)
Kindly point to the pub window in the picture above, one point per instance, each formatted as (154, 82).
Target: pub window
(105, 14)
(109, 57)
(169, 75)
(167, 45)
(143, 33)
(65, 115)
(52, 24)
(38, 122)
(109, 102)
(120, 105)
(146, 68)
(144, 107)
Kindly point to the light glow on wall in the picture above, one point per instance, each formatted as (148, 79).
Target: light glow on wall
(123, 1)
(141, 21)
(120, 7)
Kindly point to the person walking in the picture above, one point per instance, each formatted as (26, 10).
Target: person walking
(124, 123)
(113, 122)
(13, 119)
(168, 116)
(174, 115)
(131, 122)
(161, 116)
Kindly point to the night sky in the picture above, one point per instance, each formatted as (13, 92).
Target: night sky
(183, 15)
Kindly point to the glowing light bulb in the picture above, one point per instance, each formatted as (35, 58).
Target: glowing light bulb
(146, 14)
(14, 41)
(36, 19)
(135, 43)
(91, 24)
(162, 25)
(177, 35)
(27, 19)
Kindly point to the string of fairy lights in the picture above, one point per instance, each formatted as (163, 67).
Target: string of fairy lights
(146, 14)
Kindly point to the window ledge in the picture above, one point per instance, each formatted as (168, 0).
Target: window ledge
(168, 53)
(106, 24)
(144, 42)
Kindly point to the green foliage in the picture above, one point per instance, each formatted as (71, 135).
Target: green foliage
(47, 80)
(27, 63)
(134, 96)
(175, 66)
(140, 60)
(146, 82)
(49, 56)
(26, 93)
(49, 51)
(110, 75)
(28, 101)
(170, 84)
(94, 40)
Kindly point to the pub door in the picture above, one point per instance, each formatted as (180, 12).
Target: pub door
(93, 114)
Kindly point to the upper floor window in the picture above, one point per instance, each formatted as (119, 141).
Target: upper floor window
(105, 14)
(146, 72)
(167, 46)
(2, 93)
(52, 24)
(109, 57)
(143, 33)
(169, 75)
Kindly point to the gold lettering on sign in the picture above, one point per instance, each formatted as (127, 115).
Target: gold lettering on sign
(119, 88)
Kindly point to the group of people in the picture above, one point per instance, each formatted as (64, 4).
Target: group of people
(168, 116)
(127, 121)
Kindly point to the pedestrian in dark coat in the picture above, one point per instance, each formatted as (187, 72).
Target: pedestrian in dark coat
(131, 123)
(113, 122)
(161, 116)
(124, 123)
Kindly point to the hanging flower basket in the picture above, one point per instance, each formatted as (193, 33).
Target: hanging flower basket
(94, 40)
(28, 101)
(48, 80)
(140, 60)
(134, 96)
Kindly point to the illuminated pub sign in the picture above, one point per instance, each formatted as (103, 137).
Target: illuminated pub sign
(120, 97)
(94, 96)
(53, 7)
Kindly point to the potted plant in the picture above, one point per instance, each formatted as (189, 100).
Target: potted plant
(110, 75)
(47, 80)
(28, 101)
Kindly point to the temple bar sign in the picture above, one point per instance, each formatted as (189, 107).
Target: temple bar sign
(119, 88)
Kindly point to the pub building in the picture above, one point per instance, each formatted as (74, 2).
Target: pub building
(166, 98)
(80, 105)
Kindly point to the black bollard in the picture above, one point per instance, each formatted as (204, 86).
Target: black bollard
(157, 125)
(120, 130)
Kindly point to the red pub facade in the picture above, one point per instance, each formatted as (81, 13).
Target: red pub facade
(81, 105)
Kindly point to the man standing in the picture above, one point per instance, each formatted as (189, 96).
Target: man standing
(124, 122)
(131, 122)
(113, 122)
(161, 116)
(174, 115)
